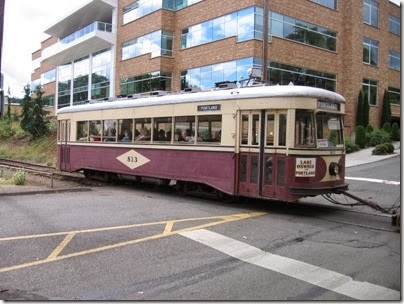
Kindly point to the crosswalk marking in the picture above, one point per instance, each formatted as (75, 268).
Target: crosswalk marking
(315, 275)
(373, 180)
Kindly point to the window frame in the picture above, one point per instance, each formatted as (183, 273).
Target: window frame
(369, 88)
(371, 13)
(370, 51)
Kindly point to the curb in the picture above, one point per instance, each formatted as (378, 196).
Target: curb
(46, 191)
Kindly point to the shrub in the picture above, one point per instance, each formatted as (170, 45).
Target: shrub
(6, 130)
(383, 149)
(350, 146)
(369, 129)
(387, 127)
(395, 132)
(19, 178)
(378, 137)
(360, 136)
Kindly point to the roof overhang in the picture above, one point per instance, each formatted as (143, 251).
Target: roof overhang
(93, 10)
(91, 43)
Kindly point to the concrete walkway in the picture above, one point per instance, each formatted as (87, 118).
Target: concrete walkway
(365, 156)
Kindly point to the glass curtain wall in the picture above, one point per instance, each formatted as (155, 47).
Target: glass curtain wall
(101, 74)
(146, 83)
(140, 8)
(81, 70)
(205, 77)
(64, 85)
(245, 24)
(158, 43)
(75, 83)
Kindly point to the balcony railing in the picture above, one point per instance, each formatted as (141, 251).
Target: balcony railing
(100, 26)
(64, 43)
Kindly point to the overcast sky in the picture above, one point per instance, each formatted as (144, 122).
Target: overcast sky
(24, 24)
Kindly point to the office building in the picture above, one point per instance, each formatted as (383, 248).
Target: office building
(110, 48)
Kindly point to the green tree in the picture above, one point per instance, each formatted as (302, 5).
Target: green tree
(360, 110)
(33, 113)
(39, 126)
(366, 109)
(386, 110)
(395, 132)
(360, 136)
(26, 108)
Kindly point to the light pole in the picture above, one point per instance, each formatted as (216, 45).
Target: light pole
(265, 43)
(1, 48)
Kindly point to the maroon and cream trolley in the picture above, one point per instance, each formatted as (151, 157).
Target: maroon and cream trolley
(272, 142)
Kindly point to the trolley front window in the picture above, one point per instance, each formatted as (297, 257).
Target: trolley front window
(329, 130)
(304, 129)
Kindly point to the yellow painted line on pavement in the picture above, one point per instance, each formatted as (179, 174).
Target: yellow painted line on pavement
(61, 246)
(168, 231)
(168, 228)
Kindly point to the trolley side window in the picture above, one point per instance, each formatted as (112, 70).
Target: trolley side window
(270, 129)
(162, 129)
(143, 130)
(95, 130)
(304, 129)
(282, 129)
(109, 133)
(244, 129)
(329, 130)
(184, 129)
(82, 130)
(125, 130)
(63, 131)
(250, 129)
(209, 128)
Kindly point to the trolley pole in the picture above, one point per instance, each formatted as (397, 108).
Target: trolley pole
(265, 44)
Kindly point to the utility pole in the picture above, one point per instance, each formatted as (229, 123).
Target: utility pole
(2, 4)
(265, 44)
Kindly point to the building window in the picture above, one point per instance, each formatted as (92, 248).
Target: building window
(243, 24)
(370, 51)
(50, 100)
(159, 43)
(369, 88)
(81, 70)
(394, 25)
(332, 4)
(394, 60)
(35, 83)
(302, 31)
(64, 85)
(284, 74)
(394, 95)
(48, 76)
(101, 74)
(142, 8)
(205, 77)
(371, 12)
(74, 79)
(146, 83)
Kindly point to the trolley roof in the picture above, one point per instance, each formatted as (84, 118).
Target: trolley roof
(217, 95)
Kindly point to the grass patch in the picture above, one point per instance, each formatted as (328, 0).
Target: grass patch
(40, 151)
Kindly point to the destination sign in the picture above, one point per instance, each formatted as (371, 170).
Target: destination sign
(209, 108)
(327, 105)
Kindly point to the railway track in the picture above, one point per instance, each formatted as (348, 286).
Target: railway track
(42, 170)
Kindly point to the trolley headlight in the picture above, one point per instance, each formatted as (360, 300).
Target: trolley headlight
(333, 169)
